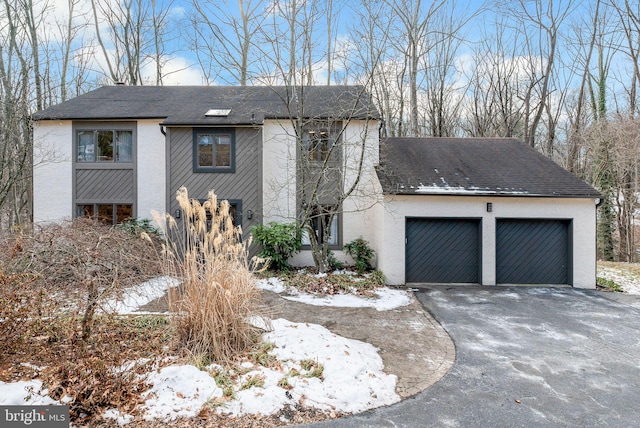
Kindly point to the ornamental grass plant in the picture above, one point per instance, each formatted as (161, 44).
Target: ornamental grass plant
(218, 297)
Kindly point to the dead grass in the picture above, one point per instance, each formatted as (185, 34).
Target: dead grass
(632, 268)
(51, 284)
(218, 295)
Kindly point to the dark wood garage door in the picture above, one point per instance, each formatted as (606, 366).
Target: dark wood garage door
(442, 250)
(532, 251)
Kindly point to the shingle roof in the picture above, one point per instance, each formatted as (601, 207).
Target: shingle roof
(187, 105)
(474, 166)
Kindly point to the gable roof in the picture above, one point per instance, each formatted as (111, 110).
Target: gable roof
(187, 105)
(474, 166)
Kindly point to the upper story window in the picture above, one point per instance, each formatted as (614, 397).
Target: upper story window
(317, 140)
(214, 150)
(104, 145)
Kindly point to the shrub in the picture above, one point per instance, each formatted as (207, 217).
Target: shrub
(218, 294)
(279, 241)
(334, 263)
(361, 253)
(137, 226)
(80, 264)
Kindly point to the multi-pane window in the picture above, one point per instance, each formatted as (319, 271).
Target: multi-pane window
(214, 150)
(104, 146)
(317, 140)
(106, 213)
(317, 145)
(324, 231)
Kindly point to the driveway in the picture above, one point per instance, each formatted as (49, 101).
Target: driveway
(527, 356)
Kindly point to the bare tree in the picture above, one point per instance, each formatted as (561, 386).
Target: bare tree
(225, 43)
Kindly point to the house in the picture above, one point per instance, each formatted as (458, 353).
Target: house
(484, 211)
(124, 151)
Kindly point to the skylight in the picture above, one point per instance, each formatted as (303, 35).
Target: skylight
(218, 112)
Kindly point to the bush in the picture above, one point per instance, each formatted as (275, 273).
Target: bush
(334, 263)
(361, 253)
(52, 283)
(218, 296)
(279, 241)
(137, 226)
(80, 263)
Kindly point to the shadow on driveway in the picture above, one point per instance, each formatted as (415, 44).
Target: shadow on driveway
(527, 356)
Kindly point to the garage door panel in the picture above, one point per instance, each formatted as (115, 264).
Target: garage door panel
(532, 251)
(442, 250)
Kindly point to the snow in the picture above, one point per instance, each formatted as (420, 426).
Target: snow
(352, 379)
(178, 391)
(434, 188)
(627, 281)
(24, 393)
(272, 284)
(387, 300)
(134, 297)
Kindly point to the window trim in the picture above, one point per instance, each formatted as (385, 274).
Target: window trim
(114, 205)
(95, 130)
(334, 138)
(197, 168)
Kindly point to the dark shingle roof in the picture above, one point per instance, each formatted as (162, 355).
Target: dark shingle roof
(474, 166)
(187, 105)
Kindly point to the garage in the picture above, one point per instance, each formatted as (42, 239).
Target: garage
(531, 251)
(442, 250)
(482, 211)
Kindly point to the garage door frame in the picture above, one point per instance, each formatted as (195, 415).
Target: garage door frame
(567, 222)
(478, 223)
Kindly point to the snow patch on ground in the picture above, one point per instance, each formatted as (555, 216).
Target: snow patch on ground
(629, 282)
(353, 379)
(134, 297)
(388, 299)
(178, 391)
(272, 284)
(28, 392)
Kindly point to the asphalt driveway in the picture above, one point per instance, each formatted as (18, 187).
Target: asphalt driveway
(525, 357)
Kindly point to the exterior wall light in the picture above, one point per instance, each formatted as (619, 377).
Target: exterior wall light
(489, 207)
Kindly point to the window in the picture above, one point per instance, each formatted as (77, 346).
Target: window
(104, 146)
(214, 150)
(319, 222)
(106, 213)
(317, 140)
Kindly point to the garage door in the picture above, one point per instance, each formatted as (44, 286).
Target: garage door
(532, 251)
(442, 250)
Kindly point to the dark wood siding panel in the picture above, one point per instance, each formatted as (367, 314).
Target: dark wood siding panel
(243, 184)
(105, 185)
